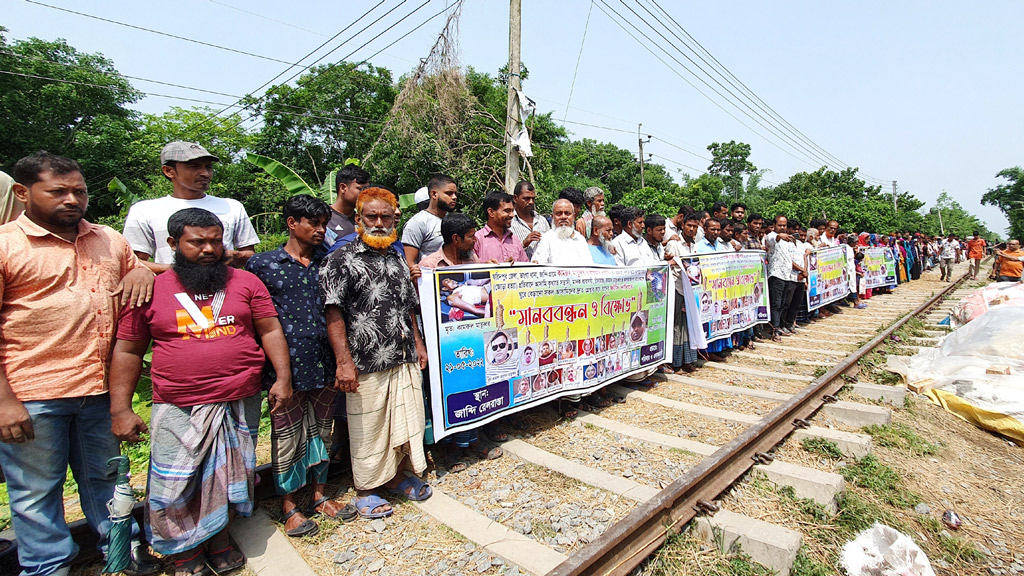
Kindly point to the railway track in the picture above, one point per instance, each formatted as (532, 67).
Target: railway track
(601, 493)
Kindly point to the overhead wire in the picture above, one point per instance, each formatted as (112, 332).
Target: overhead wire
(735, 82)
(603, 5)
(579, 57)
(159, 32)
(745, 109)
(399, 39)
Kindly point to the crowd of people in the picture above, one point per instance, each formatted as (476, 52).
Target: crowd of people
(324, 326)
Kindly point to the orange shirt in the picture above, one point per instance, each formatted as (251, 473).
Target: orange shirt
(976, 249)
(1012, 268)
(57, 316)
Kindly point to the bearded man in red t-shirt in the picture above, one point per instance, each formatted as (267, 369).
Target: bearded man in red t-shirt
(204, 321)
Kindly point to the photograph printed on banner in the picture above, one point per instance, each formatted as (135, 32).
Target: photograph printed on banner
(540, 383)
(589, 347)
(638, 327)
(529, 360)
(502, 359)
(548, 352)
(590, 372)
(553, 381)
(464, 296)
(567, 352)
(521, 389)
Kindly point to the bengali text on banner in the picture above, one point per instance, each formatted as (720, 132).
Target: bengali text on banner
(879, 267)
(725, 293)
(504, 338)
(827, 276)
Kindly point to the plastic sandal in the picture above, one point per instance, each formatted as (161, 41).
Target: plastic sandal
(420, 489)
(366, 505)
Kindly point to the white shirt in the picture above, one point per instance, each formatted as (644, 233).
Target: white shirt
(781, 256)
(146, 224)
(678, 250)
(949, 249)
(671, 229)
(557, 251)
(627, 249)
(829, 241)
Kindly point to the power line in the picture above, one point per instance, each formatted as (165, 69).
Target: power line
(579, 57)
(399, 39)
(729, 77)
(602, 6)
(759, 119)
(290, 66)
(150, 30)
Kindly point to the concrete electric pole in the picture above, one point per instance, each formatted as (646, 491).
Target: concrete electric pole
(641, 142)
(512, 125)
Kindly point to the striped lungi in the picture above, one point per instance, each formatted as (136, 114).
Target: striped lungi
(386, 419)
(299, 437)
(202, 460)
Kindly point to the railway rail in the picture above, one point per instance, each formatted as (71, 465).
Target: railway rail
(633, 512)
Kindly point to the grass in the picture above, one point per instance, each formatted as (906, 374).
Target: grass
(902, 437)
(881, 480)
(822, 447)
(687, 553)
(820, 371)
(872, 364)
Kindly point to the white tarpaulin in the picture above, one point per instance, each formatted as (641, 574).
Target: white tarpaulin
(959, 371)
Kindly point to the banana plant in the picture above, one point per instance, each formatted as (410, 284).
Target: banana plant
(292, 181)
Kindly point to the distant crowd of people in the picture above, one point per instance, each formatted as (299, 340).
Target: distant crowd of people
(324, 325)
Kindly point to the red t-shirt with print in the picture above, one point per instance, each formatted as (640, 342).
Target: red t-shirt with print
(194, 365)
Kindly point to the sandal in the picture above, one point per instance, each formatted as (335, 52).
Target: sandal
(192, 566)
(347, 513)
(367, 504)
(495, 434)
(567, 409)
(307, 528)
(598, 401)
(487, 452)
(458, 466)
(412, 488)
(221, 561)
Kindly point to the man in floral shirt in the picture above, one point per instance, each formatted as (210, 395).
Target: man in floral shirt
(301, 432)
(370, 301)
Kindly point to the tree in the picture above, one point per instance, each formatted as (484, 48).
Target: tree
(729, 161)
(1009, 198)
(334, 112)
(69, 103)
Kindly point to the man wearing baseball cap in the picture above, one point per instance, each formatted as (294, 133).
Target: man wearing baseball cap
(189, 167)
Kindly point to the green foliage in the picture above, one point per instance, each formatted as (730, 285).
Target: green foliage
(653, 201)
(954, 219)
(823, 447)
(903, 438)
(1009, 198)
(292, 181)
(729, 161)
(881, 480)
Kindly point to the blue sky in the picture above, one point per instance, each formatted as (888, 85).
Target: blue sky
(917, 92)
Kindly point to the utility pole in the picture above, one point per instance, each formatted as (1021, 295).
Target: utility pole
(938, 208)
(894, 208)
(512, 113)
(642, 142)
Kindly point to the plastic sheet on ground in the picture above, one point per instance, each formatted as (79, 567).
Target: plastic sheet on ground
(956, 375)
(884, 551)
(983, 299)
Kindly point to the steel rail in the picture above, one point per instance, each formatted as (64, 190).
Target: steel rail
(628, 542)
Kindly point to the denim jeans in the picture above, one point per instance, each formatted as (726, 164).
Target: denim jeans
(68, 431)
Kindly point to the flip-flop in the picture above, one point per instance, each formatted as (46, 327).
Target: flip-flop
(307, 528)
(367, 504)
(458, 466)
(420, 489)
(495, 434)
(488, 452)
(567, 409)
(224, 555)
(348, 512)
(596, 401)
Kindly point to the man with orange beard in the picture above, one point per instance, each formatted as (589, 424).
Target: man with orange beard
(370, 301)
